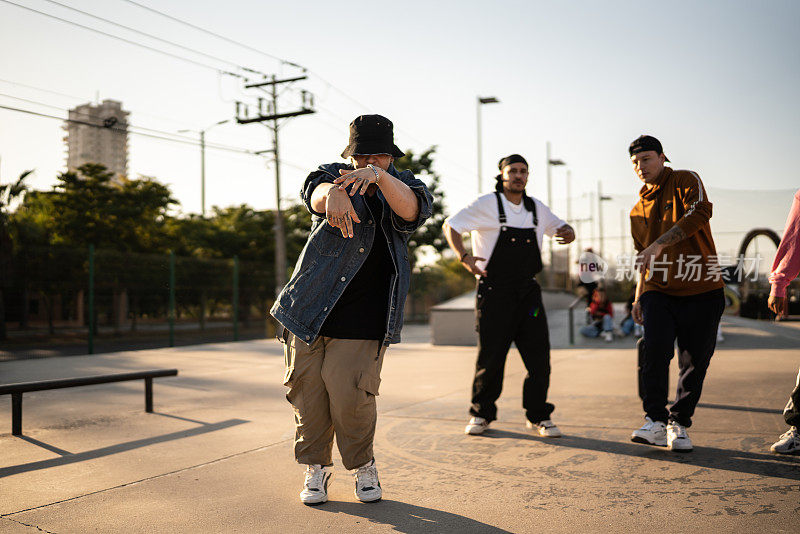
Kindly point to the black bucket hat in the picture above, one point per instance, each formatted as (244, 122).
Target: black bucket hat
(372, 134)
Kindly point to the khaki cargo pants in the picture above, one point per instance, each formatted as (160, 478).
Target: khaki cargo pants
(332, 387)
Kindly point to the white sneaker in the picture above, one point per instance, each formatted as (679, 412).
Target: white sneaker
(608, 336)
(651, 433)
(315, 487)
(476, 426)
(368, 487)
(546, 428)
(677, 438)
(789, 442)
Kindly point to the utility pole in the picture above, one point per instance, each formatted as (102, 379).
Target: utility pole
(623, 233)
(568, 281)
(203, 173)
(203, 162)
(551, 163)
(549, 184)
(600, 199)
(600, 217)
(592, 219)
(268, 111)
(482, 100)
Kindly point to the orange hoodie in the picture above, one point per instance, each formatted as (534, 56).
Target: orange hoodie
(691, 266)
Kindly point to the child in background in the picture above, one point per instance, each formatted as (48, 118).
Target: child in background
(602, 315)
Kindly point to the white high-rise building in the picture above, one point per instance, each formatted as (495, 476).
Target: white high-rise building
(100, 135)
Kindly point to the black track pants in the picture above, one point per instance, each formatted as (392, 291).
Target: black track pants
(693, 321)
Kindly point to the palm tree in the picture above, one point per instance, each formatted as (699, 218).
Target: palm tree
(9, 193)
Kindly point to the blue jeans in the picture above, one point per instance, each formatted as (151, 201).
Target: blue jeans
(593, 330)
(627, 325)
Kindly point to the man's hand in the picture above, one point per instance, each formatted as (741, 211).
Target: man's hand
(339, 211)
(646, 257)
(636, 313)
(469, 263)
(565, 235)
(779, 306)
(360, 179)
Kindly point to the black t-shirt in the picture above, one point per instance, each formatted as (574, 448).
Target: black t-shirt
(361, 311)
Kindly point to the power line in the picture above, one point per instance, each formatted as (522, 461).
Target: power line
(87, 115)
(65, 95)
(130, 126)
(185, 141)
(252, 49)
(151, 36)
(151, 48)
(176, 137)
(287, 62)
(201, 64)
(218, 36)
(83, 99)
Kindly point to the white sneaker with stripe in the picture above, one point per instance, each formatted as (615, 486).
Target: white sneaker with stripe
(315, 487)
(368, 487)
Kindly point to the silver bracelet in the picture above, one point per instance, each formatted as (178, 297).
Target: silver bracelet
(377, 176)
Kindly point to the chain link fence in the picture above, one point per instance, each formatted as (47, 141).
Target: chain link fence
(62, 300)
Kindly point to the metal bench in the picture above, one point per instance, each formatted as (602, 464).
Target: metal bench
(16, 390)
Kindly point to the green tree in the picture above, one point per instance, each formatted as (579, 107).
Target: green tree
(247, 233)
(90, 208)
(9, 194)
(54, 228)
(430, 234)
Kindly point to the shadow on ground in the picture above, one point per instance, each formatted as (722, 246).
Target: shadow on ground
(739, 408)
(735, 339)
(69, 458)
(409, 518)
(770, 465)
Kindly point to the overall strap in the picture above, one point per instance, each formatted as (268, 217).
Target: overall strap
(500, 209)
(530, 205)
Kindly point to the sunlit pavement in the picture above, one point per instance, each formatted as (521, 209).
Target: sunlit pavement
(217, 456)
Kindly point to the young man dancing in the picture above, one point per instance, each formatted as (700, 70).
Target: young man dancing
(680, 291)
(507, 227)
(344, 303)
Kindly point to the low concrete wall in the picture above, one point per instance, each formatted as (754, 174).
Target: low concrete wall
(453, 321)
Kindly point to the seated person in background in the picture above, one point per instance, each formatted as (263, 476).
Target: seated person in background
(602, 315)
(628, 325)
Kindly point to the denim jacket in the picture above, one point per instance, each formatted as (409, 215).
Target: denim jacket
(329, 261)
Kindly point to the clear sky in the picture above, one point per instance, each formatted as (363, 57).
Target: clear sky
(716, 81)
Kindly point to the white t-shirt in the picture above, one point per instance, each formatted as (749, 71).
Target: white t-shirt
(481, 219)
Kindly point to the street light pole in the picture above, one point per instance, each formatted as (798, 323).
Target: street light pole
(551, 163)
(203, 173)
(549, 185)
(480, 101)
(568, 281)
(623, 232)
(600, 199)
(203, 162)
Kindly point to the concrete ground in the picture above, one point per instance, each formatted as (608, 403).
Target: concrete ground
(217, 454)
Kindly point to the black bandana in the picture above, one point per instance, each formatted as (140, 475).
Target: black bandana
(508, 160)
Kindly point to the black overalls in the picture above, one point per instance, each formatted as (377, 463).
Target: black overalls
(509, 308)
